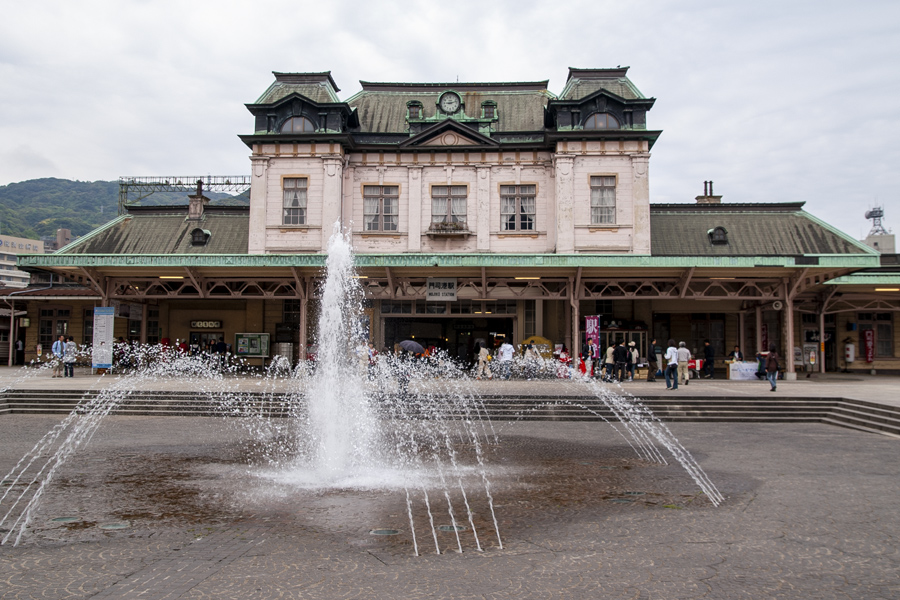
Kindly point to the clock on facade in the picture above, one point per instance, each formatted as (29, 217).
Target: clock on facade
(449, 102)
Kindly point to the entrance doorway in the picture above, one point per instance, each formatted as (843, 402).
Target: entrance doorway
(456, 336)
(201, 339)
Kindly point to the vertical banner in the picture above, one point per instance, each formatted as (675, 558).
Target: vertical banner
(592, 331)
(869, 338)
(102, 354)
(764, 342)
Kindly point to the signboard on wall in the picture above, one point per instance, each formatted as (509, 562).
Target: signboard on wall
(440, 289)
(102, 351)
(251, 345)
(592, 332)
(869, 343)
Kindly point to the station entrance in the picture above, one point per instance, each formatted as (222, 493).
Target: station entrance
(456, 335)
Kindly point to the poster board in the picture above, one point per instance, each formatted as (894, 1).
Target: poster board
(251, 345)
(102, 350)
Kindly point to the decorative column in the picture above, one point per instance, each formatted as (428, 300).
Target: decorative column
(483, 208)
(822, 339)
(256, 241)
(788, 321)
(640, 197)
(565, 204)
(414, 209)
(332, 188)
(759, 347)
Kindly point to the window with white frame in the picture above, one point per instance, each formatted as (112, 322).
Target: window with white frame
(294, 201)
(381, 207)
(603, 200)
(517, 207)
(448, 206)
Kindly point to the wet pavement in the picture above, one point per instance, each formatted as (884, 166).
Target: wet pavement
(810, 512)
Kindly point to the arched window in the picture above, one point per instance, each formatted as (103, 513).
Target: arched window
(601, 121)
(199, 237)
(718, 235)
(298, 125)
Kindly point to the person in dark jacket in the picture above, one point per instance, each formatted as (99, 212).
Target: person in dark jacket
(772, 366)
(651, 359)
(621, 357)
(709, 355)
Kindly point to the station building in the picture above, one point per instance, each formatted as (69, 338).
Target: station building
(476, 210)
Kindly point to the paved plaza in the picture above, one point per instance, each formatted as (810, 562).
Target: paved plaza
(811, 511)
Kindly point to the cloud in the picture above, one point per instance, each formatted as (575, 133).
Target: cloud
(772, 100)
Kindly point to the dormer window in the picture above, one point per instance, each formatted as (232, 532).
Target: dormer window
(415, 109)
(601, 121)
(718, 236)
(199, 237)
(298, 125)
(489, 109)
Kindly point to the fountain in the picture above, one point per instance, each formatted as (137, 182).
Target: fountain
(350, 428)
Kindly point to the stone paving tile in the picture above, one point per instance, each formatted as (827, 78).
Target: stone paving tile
(810, 512)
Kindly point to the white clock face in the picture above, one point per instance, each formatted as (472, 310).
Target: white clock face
(449, 103)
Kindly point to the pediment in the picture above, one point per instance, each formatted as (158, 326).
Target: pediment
(449, 133)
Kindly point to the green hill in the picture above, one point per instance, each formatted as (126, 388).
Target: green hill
(39, 207)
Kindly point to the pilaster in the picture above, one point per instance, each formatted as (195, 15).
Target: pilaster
(640, 164)
(414, 209)
(256, 242)
(483, 209)
(332, 190)
(565, 203)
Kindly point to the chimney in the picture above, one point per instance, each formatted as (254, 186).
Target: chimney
(708, 197)
(197, 202)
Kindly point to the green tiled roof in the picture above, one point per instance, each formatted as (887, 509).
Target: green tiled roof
(520, 106)
(584, 82)
(753, 230)
(318, 87)
(167, 231)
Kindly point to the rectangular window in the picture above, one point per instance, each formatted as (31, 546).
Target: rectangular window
(448, 206)
(381, 207)
(517, 207)
(603, 200)
(294, 202)
(883, 324)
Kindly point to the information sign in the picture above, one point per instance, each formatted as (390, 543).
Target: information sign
(102, 351)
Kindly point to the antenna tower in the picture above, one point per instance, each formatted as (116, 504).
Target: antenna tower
(876, 214)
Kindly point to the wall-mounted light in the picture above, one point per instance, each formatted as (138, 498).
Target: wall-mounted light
(887, 289)
(171, 277)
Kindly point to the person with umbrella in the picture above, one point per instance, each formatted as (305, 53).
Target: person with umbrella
(404, 350)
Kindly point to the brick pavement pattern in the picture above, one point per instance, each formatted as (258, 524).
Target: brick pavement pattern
(810, 512)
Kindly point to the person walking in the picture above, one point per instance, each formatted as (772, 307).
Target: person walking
(531, 362)
(651, 361)
(709, 356)
(484, 368)
(590, 358)
(20, 352)
(772, 366)
(59, 351)
(506, 358)
(671, 373)
(620, 357)
(610, 363)
(633, 358)
(684, 356)
(70, 353)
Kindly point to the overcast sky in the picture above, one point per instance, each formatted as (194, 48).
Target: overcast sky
(773, 100)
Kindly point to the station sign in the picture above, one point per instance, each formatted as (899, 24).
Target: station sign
(440, 289)
(206, 324)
